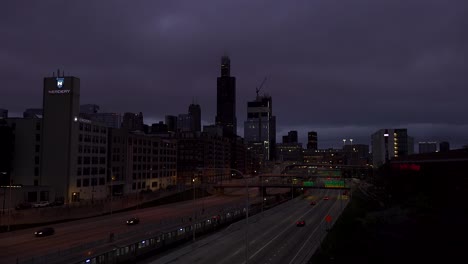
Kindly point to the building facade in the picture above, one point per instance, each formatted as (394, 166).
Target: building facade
(61, 106)
(312, 140)
(195, 113)
(205, 151)
(291, 137)
(289, 152)
(133, 122)
(427, 147)
(26, 162)
(390, 143)
(6, 152)
(171, 122)
(260, 128)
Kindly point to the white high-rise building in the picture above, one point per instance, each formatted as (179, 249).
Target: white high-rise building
(390, 143)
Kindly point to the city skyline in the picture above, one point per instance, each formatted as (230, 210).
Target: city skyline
(412, 69)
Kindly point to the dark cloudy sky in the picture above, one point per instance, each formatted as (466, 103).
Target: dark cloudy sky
(344, 68)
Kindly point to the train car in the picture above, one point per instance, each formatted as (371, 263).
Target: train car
(132, 249)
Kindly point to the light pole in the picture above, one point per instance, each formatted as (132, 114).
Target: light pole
(4, 194)
(9, 207)
(246, 209)
(194, 207)
(111, 191)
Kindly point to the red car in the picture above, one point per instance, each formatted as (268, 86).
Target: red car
(300, 223)
(325, 198)
(313, 203)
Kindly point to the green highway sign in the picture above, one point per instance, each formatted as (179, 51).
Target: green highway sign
(308, 184)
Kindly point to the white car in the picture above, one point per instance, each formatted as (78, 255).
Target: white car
(41, 204)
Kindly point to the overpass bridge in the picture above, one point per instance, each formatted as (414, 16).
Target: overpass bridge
(294, 185)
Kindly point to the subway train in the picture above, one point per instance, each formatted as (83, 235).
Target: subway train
(130, 251)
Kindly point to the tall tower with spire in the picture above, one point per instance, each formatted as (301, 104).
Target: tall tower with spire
(226, 99)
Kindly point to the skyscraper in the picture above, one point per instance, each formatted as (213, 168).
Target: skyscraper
(195, 112)
(312, 140)
(226, 99)
(260, 127)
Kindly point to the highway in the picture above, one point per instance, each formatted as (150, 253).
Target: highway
(273, 236)
(22, 245)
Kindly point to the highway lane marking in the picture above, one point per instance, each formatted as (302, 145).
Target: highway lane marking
(313, 232)
(286, 229)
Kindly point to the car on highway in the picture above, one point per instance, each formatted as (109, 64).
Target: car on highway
(46, 231)
(313, 203)
(300, 223)
(325, 198)
(133, 221)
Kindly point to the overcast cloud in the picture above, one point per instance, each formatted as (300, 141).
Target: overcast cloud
(343, 68)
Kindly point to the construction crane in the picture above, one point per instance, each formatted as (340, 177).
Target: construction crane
(257, 90)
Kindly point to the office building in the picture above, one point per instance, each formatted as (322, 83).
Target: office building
(89, 109)
(312, 140)
(195, 113)
(26, 162)
(226, 99)
(328, 156)
(213, 130)
(6, 152)
(427, 147)
(171, 122)
(390, 143)
(238, 154)
(89, 180)
(133, 122)
(184, 123)
(33, 113)
(159, 128)
(260, 128)
(291, 137)
(61, 105)
(444, 146)
(111, 120)
(289, 152)
(141, 162)
(356, 154)
(91, 112)
(3, 113)
(203, 150)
